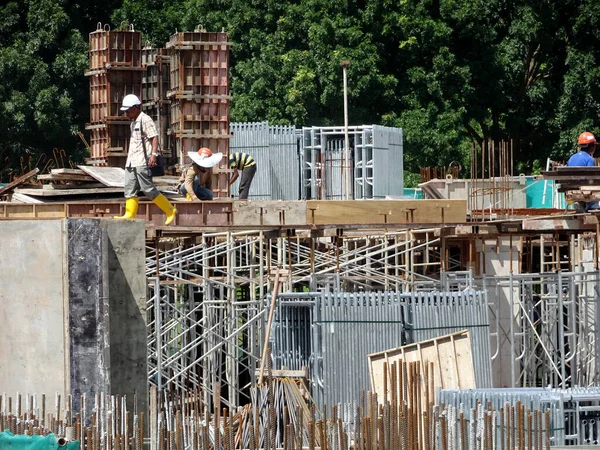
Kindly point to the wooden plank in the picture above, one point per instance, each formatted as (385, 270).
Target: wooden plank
(321, 212)
(31, 211)
(22, 198)
(109, 176)
(54, 193)
(18, 181)
(66, 177)
(554, 224)
(451, 355)
(62, 187)
(65, 171)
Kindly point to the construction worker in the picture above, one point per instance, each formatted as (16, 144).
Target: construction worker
(245, 163)
(196, 179)
(142, 154)
(584, 157)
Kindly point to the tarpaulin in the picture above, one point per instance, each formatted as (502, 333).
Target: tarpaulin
(9, 441)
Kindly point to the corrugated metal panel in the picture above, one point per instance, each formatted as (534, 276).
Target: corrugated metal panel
(276, 153)
(315, 170)
(388, 166)
(333, 333)
(284, 163)
(253, 139)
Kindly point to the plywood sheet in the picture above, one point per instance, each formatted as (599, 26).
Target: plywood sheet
(109, 176)
(33, 211)
(341, 212)
(451, 356)
(68, 192)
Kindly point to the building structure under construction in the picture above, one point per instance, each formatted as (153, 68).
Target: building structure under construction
(341, 291)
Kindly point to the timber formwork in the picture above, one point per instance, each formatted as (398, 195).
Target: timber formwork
(199, 93)
(155, 86)
(115, 71)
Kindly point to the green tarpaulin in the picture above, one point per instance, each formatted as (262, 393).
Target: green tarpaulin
(9, 441)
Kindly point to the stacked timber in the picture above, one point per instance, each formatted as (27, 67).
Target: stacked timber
(579, 184)
(155, 103)
(200, 98)
(115, 71)
(80, 184)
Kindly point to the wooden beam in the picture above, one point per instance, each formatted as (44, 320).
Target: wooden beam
(19, 181)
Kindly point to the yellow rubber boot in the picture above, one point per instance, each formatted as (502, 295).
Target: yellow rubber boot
(131, 207)
(164, 204)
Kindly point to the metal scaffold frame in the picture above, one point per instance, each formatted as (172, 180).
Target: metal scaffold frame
(207, 301)
(553, 336)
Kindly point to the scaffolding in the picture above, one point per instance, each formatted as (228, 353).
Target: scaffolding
(208, 302)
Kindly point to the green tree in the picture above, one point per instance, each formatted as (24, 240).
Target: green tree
(44, 96)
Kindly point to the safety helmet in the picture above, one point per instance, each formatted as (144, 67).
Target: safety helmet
(205, 152)
(586, 138)
(205, 157)
(129, 101)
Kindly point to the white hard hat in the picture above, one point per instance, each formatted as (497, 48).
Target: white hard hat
(130, 100)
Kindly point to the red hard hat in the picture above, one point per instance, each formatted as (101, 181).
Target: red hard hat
(586, 138)
(207, 153)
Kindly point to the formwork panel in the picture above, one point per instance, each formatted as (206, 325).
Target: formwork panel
(210, 118)
(109, 140)
(114, 48)
(107, 90)
(155, 103)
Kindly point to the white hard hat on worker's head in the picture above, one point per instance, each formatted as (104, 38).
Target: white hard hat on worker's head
(129, 101)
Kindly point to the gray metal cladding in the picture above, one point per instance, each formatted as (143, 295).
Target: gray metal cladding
(276, 153)
(309, 163)
(574, 412)
(333, 333)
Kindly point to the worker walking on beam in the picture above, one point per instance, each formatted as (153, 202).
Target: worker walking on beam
(137, 167)
(584, 157)
(244, 162)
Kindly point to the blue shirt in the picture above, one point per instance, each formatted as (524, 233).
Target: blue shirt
(581, 158)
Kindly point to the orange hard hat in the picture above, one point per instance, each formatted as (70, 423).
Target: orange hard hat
(207, 153)
(586, 138)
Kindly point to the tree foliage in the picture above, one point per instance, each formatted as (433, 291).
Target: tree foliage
(451, 73)
(43, 94)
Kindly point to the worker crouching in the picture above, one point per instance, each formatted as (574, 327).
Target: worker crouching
(196, 178)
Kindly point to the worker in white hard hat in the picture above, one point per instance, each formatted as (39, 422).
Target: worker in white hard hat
(141, 156)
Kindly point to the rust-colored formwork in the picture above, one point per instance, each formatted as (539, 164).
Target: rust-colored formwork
(155, 86)
(109, 143)
(115, 49)
(199, 92)
(107, 90)
(115, 71)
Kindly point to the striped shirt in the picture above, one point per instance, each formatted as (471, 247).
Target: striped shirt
(241, 161)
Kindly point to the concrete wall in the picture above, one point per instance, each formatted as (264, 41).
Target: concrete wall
(33, 356)
(497, 256)
(483, 194)
(73, 308)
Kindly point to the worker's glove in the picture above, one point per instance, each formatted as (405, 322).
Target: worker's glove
(188, 197)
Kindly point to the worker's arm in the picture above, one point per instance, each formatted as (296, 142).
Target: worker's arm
(154, 153)
(234, 176)
(190, 173)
